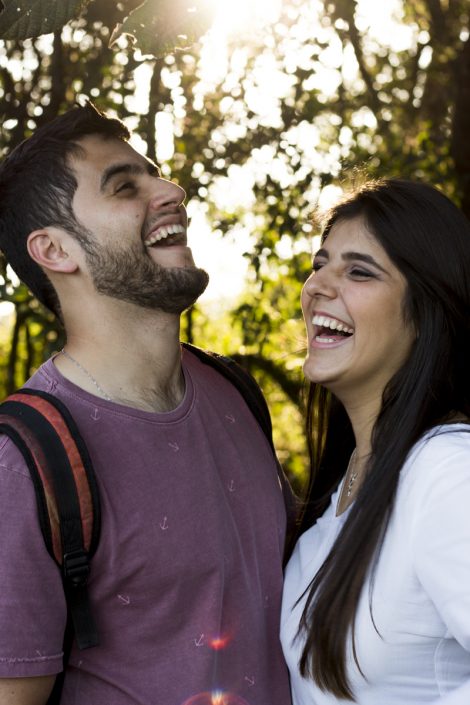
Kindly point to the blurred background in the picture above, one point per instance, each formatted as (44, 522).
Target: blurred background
(280, 106)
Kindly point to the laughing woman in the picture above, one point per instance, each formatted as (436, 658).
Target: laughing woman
(377, 594)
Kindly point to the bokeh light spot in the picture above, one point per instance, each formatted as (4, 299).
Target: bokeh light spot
(216, 697)
(219, 642)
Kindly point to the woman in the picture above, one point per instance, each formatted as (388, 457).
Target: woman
(377, 594)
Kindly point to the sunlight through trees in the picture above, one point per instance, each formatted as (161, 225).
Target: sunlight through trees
(260, 121)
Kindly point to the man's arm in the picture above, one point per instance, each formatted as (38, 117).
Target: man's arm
(33, 612)
(26, 691)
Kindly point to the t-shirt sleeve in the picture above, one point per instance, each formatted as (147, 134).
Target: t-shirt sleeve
(459, 696)
(441, 532)
(32, 604)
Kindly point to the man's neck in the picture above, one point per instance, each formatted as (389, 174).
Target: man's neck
(134, 360)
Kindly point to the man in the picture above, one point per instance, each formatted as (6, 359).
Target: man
(185, 584)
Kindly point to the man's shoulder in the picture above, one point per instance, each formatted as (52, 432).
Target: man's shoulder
(11, 459)
(212, 363)
(44, 379)
(221, 375)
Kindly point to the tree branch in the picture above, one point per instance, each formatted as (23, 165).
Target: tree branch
(13, 354)
(346, 12)
(292, 388)
(154, 106)
(57, 77)
(460, 145)
(438, 19)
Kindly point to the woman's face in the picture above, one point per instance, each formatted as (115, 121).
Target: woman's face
(354, 313)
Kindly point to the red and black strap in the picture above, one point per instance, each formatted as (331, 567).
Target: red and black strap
(66, 492)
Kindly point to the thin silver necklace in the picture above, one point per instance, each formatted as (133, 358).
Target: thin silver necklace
(90, 377)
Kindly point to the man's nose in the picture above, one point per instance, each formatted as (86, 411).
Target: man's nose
(166, 194)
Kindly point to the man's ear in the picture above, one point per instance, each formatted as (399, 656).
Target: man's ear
(48, 248)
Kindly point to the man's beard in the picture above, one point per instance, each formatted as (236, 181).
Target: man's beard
(131, 275)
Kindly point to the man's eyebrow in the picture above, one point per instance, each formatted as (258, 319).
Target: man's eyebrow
(130, 168)
(350, 256)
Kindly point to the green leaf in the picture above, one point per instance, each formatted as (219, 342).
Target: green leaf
(161, 26)
(21, 19)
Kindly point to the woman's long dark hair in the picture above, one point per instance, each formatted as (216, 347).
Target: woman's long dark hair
(428, 239)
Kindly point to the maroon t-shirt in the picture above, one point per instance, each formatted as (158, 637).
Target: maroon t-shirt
(186, 581)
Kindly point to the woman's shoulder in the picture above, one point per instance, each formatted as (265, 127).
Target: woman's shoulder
(440, 457)
(443, 438)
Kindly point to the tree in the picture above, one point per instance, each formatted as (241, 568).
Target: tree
(339, 97)
(158, 26)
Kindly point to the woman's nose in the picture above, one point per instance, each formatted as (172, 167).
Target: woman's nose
(320, 284)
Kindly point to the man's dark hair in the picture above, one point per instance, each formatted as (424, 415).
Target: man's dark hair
(37, 187)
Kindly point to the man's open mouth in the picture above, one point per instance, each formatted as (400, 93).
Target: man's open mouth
(167, 236)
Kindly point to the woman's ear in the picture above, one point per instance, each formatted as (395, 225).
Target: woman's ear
(48, 248)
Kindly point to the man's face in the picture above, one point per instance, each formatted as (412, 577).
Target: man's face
(134, 228)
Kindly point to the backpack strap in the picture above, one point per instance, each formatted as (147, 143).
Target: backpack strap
(254, 398)
(244, 382)
(66, 493)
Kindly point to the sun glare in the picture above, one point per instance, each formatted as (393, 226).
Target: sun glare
(222, 58)
(243, 15)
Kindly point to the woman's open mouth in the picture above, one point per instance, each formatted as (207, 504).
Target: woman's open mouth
(329, 330)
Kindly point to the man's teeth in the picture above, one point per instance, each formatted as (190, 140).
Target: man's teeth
(332, 323)
(163, 232)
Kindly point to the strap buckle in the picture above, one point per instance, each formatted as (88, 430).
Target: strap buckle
(76, 567)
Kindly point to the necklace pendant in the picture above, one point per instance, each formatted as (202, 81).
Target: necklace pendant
(351, 482)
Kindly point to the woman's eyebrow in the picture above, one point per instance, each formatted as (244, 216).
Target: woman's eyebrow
(350, 256)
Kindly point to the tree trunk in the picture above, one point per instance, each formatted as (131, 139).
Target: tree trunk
(460, 147)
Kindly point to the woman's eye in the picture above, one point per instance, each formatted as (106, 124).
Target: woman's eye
(317, 265)
(359, 273)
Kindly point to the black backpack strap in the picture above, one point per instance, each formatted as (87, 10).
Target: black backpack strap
(244, 382)
(66, 493)
(56, 692)
(254, 398)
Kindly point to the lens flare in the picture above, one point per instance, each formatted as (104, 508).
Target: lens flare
(219, 642)
(215, 697)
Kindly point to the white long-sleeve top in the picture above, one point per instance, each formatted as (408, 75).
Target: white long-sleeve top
(419, 650)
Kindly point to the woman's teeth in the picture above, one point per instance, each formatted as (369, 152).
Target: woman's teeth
(333, 324)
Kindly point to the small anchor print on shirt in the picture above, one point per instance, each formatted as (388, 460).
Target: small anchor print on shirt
(174, 446)
(230, 418)
(164, 524)
(95, 415)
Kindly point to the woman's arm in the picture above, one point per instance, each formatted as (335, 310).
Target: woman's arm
(441, 539)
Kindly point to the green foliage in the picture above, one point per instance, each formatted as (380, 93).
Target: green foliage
(161, 27)
(344, 103)
(22, 19)
(34, 335)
